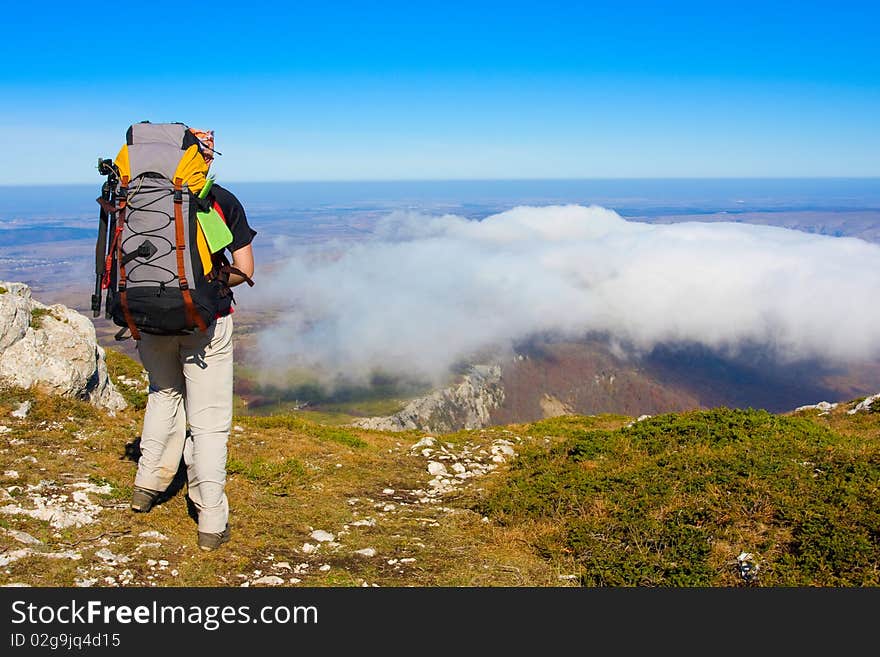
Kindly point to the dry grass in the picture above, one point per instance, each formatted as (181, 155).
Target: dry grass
(287, 477)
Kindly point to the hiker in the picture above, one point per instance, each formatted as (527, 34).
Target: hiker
(177, 303)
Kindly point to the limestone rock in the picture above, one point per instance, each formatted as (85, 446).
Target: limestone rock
(436, 468)
(53, 348)
(465, 405)
(823, 406)
(864, 405)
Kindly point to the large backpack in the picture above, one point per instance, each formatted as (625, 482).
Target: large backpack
(158, 271)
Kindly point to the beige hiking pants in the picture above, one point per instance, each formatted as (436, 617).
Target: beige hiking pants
(190, 383)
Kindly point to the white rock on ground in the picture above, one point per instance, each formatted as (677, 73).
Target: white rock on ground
(107, 555)
(20, 536)
(322, 536)
(60, 356)
(366, 552)
(58, 509)
(269, 580)
(821, 406)
(504, 447)
(152, 533)
(7, 558)
(436, 468)
(22, 410)
(427, 441)
(864, 405)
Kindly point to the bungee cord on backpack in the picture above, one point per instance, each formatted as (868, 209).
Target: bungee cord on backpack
(160, 273)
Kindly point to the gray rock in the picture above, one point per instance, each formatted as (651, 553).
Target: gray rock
(269, 580)
(60, 355)
(21, 537)
(15, 313)
(436, 468)
(366, 522)
(864, 405)
(152, 533)
(22, 410)
(465, 405)
(427, 441)
(322, 536)
(108, 556)
(823, 406)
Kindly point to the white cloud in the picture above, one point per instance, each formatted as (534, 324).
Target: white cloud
(425, 291)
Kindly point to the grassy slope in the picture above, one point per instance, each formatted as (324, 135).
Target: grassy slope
(670, 501)
(673, 500)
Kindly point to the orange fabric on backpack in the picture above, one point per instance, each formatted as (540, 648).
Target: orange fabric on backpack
(206, 139)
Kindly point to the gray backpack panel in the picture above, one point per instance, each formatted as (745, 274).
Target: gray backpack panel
(149, 231)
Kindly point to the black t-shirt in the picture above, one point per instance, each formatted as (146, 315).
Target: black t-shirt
(236, 220)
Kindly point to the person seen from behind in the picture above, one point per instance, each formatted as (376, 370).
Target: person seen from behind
(189, 406)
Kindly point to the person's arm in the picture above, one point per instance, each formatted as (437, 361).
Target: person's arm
(242, 259)
(242, 234)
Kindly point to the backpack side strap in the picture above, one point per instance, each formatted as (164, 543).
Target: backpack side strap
(222, 273)
(192, 315)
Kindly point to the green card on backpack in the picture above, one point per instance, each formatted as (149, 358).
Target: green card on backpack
(217, 233)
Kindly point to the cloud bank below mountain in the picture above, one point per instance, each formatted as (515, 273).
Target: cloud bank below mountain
(424, 291)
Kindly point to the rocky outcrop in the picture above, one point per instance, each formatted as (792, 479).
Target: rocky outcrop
(52, 348)
(466, 405)
(865, 405)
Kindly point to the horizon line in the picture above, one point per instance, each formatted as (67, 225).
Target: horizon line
(478, 180)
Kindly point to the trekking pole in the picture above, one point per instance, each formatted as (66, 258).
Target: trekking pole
(106, 223)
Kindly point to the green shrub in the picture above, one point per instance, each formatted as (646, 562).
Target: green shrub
(672, 500)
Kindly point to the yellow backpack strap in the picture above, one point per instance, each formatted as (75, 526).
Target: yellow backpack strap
(204, 251)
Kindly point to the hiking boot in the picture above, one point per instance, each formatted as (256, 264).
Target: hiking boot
(142, 499)
(211, 541)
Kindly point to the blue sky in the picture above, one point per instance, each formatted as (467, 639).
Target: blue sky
(384, 91)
